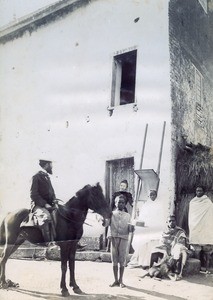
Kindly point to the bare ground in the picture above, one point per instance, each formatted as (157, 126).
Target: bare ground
(41, 279)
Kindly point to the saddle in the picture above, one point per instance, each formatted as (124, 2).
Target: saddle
(29, 221)
(32, 221)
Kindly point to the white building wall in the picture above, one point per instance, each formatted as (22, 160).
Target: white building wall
(55, 92)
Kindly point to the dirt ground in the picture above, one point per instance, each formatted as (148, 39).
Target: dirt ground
(41, 279)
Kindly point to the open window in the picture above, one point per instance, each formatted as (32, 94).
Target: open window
(124, 78)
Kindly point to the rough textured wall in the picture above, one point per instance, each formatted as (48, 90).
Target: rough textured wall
(191, 48)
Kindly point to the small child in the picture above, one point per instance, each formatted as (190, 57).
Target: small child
(120, 227)
(179, 252)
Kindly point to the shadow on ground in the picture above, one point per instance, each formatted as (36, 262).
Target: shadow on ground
(202, 278)
(52, 296)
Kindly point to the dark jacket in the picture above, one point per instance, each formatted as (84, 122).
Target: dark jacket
(42, 191)
(128, 199)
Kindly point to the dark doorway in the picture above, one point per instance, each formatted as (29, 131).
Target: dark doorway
(116, 171)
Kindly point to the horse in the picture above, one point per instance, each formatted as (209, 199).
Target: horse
(70, 218)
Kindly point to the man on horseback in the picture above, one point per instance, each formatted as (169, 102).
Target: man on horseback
(43, 199)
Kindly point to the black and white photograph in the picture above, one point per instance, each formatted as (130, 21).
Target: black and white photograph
(106, 149)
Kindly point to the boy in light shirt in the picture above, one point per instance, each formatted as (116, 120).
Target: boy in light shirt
(120, 228)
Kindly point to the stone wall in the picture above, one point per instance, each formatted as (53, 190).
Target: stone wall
(191, 47)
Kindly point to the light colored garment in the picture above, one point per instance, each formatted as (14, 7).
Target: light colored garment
(119, 233)
(201, 221)
(147, 237)
(119, 226)
(42, 215)
(143, 243)
(177, 250)
(119, 251)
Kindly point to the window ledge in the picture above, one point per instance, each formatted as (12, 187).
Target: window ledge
(111, 108)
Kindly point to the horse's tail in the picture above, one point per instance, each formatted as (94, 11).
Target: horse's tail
(2, 232)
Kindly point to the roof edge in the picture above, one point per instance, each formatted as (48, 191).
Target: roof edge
(39, 18)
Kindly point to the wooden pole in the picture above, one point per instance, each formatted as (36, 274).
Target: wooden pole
(139, 181)
(134, 212)
(161, 148)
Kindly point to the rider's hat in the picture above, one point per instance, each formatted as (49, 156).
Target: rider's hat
(45, 158)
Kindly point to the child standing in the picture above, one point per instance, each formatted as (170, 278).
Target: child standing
(120, 227)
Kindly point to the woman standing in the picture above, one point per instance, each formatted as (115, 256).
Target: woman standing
(122, 191)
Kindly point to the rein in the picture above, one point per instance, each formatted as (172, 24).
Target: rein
(69, 219)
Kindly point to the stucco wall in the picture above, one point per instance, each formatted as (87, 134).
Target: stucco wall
(56, 90)
(191, 49)
(191, 45)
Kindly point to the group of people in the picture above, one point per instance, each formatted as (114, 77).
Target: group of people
(174, 243)
(174, 247)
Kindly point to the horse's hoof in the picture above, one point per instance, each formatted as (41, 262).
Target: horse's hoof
(77, 290)
(8, 283)
(3, 285)
(65, 293)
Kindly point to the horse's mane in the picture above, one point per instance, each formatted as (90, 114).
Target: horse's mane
(69, 203)
(82, 191)
(79, 194)
(88, 197)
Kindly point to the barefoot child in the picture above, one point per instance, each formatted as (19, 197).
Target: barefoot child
(120, 227)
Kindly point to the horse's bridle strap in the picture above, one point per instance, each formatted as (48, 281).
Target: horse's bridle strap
(67, 218)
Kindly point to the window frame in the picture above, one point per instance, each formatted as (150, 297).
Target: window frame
(117, 65)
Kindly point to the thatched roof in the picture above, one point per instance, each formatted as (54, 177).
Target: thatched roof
(194, 167)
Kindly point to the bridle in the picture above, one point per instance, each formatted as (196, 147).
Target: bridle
(67, 218)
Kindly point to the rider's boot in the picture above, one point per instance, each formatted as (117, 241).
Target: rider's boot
(46, 234)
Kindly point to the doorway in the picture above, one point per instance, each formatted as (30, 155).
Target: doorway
(116, 171)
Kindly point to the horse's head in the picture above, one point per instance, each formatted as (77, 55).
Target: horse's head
(96, 201)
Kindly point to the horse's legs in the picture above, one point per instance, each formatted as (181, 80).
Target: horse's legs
(5, 255)
(64, 258)
(73, 283)
(9, 249)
